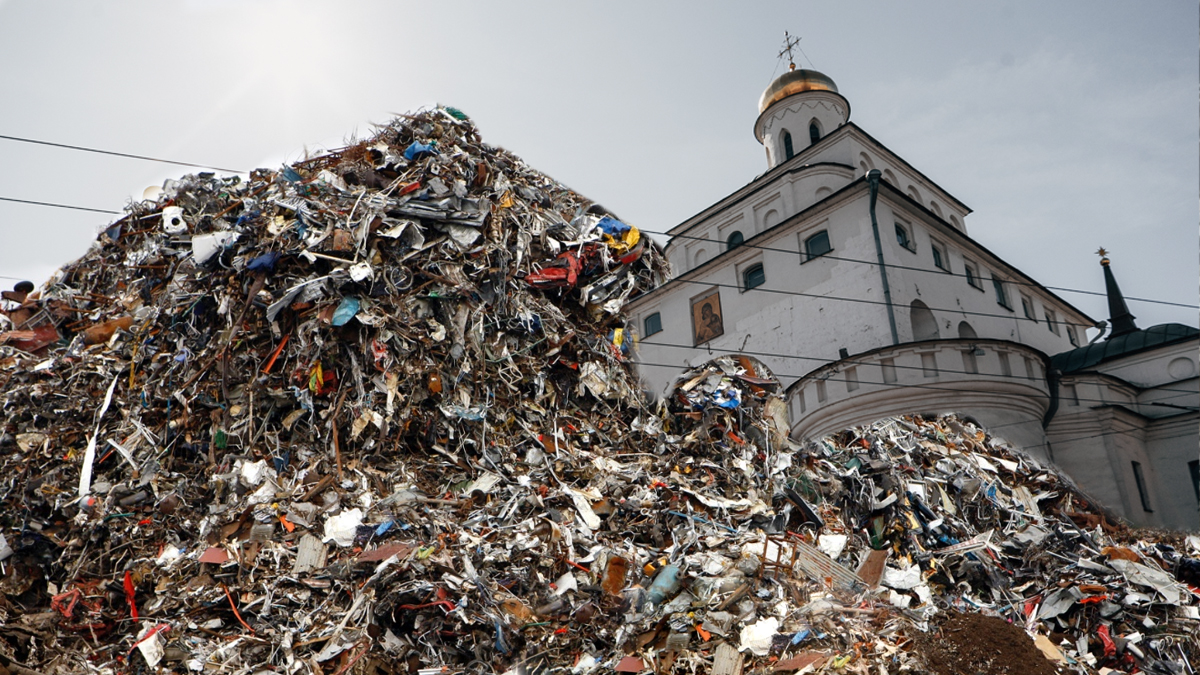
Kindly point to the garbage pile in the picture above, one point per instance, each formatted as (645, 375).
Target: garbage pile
(372, 413)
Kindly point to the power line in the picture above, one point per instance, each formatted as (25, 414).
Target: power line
(58, 206)
(826, 362)
(1014, 316)
(865, 301)
(118, 154)
(901, 385)
(665, 234)
(990, 428)
(942, 272)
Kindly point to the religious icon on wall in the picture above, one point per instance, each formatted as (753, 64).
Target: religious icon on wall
(706, 318)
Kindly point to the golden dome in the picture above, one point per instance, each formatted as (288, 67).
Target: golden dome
(794, 82)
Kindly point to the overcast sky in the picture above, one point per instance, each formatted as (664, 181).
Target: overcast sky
(1066, 126)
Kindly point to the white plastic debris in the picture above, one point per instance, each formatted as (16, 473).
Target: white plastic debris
(361, 271)
(340, 529)
(167, 558)
(901, 579)
(253, 473)
(149, 645)
(172, 220)
(205, 246)
(757, 636)
(832, 545)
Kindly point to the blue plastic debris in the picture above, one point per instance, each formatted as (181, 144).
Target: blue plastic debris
(729, 398)
(612, 226)
(290, 174)
(345, 311)
(264, 262)
(418, 150)
(247, 217)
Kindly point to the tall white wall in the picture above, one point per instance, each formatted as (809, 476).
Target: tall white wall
(762, 323)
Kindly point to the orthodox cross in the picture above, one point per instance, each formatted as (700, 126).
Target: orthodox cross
(789, 43)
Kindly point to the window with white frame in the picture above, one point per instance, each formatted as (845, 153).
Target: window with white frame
(1027, 308)
(753, 277)
(940, 259)
(1001, 293)
(652, 324)
(904, 236)
(971, 272)
(817, 245)
(1052, 321)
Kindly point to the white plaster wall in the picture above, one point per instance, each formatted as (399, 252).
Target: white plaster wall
(952, 299)
(804, 185)
(1152, 368)
(866, 157)
(1170, 445)
(767, 325)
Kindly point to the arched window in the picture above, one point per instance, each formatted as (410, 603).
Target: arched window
(903, 238)
(735, 240)
(753, 277)
(814, 131)
(965, 331)
(817, 245)
(652, 324)
(924, 324)
(788, 152)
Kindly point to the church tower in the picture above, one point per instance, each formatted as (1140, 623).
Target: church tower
(797, 110)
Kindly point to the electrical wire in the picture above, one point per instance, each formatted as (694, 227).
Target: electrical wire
(118, 154)
(900, 385)
(1012, 316)
(938, 271)
(665, 234)
(826, 361)
(986, 428)
(957, 310)
(58, 206)
(990, 428)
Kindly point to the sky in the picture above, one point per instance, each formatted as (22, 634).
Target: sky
(1066, 126)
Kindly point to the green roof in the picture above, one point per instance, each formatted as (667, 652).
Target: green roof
(1122, 345)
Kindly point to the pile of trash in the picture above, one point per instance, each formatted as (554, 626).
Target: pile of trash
(373, 413)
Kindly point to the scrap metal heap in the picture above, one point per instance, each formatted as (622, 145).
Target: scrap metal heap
(373, 413)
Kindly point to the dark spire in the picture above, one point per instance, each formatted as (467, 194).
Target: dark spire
(1118, 312)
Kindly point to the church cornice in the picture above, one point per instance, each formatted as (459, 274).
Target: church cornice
(803, 160)
(929, 182)
(977, 250)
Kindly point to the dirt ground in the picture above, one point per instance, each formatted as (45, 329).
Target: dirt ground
(974, 644)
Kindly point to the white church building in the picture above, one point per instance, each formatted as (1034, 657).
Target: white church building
(852, 276)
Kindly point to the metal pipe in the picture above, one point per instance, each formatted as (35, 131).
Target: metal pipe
(873, 180)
